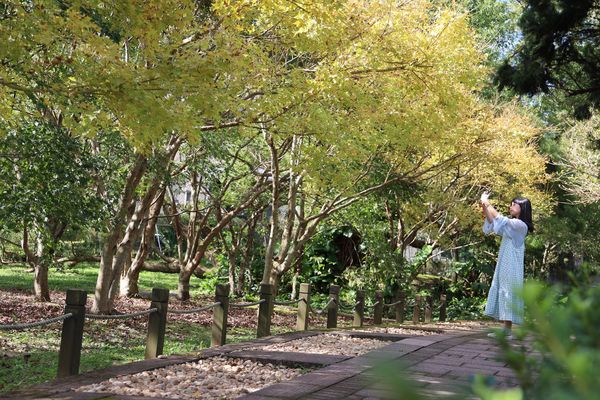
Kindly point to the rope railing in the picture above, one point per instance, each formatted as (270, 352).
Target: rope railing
(122, 316)
(372, 305)
(21, 327)
(287, 303)
(349, 306)
(393, 304)
(75, 314)
(194, 310)
(325, 308)
(241, 305)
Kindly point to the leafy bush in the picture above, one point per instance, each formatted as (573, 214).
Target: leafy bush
(466, 308)
(565, 333)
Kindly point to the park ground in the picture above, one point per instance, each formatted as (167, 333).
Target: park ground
(30, 357)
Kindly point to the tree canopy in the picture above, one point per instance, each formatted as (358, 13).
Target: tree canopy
(560, 50)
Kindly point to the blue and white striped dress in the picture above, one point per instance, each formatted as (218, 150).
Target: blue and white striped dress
(504, 302)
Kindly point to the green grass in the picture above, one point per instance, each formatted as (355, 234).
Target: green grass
(83, 276)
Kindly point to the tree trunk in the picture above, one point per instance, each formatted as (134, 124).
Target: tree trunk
(125, 228)
(129, 283)
(247, 256)
(35, 260)
(270, 248)
(101, 304)
(101, 295)
(183, 285)
(231, 271)
(40, 284)
(129, 279)
(275, 278)
(297, 273)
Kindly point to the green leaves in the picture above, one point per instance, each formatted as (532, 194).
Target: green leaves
(46, 178)
(566, 336)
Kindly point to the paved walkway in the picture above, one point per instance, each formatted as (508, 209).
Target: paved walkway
(440, 365)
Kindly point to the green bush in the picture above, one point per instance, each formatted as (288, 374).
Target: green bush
(468, 308)
(566, 337)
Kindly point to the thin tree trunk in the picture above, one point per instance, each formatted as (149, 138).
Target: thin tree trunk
(231, 273)
(214, 232)
(297, 273)
(270, 248)
(247, 256)
(183, 284)
(129, 280)
(40, 284)
(101, 304)
(35, 260)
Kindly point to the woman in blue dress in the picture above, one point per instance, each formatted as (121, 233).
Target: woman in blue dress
(504, 302)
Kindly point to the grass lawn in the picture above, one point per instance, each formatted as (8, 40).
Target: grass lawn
(83, 276)
(30, 357)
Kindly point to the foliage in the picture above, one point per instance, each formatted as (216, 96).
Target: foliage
(45, 191)
(91, 65)
(469, 308)
(559, 51)
(581, 149)
(46, 176)
(322, 263)
(564, 331)
(495, 22)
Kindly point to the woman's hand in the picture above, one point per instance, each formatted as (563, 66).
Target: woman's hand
(485, 199)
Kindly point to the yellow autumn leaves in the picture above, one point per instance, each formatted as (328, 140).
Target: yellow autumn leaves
(392, 81)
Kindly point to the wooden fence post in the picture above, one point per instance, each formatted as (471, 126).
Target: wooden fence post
(265, 310)
(378, 309)
(71, 336)
(157, 323)
(443, 305)
(359, 309)
(219, 326)
(332, 310)
(428, 308)
(303, 307)
(416, 309)
(400, 306)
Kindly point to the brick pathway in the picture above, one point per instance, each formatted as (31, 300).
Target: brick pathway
(440, 365)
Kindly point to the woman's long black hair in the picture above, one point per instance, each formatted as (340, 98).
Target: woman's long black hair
(526, 212)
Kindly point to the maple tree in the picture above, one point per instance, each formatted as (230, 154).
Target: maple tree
(343, 98)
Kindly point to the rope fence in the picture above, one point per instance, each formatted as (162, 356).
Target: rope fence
(121, 316)
(75, 315)
(22, 327)
(373, 305)
(194, 310)
(242, 305)
(394, 303)
(349, 306)
(288, 303)
(325, 308)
